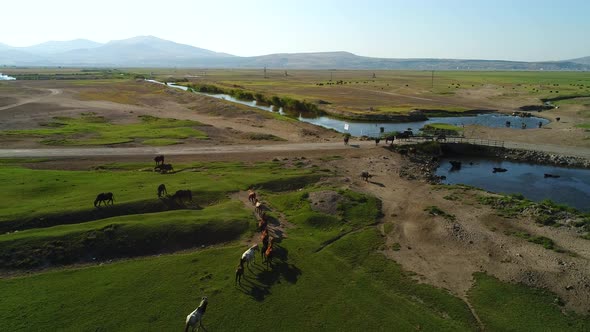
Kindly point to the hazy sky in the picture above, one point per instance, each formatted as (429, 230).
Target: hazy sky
(502, 29)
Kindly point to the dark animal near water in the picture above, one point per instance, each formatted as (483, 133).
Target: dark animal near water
(182, 195)
(405, 134)
(455, 165)
(557, 119)
(159, 160)
(346, 138)
(540, 124)
(365, 176)
(103, 198)
(499, 170)
(389, 139)
(508, 124)
(164, 168)
(377, 140)
(162, 190)
(547, 175)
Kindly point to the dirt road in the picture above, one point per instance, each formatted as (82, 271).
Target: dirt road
(245, 148)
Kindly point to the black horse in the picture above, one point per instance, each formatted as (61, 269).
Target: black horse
(159, 160)
(389, 138)
(163, 168)
(346, 138)
(162, 190)
(182, 195)
(365, 176)
(104, 198)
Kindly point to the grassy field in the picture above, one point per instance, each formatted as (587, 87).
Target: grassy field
(90, 129)
(328, 266)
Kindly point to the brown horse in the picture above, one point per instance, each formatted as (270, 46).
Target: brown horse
(262, 224)
(264, 237)
(162, 190)
(239, 272)
(182, 195)
(268, 253)
(103, 198)
(252, 196)
(159, 160)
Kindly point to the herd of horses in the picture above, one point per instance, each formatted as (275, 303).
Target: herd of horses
(179, 196)
(266, 246)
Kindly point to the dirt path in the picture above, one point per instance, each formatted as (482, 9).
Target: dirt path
(52, 92)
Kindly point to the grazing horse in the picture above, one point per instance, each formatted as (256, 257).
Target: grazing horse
(249, 254)
(365, 176)
(239, 272)
(377, 140)
(499, 170)
(196, 316)
(252, 196)
(346, 138)
(390, 138)
(181, 195)
(159, 160)
(163, 168)
(557, 119)
(162, 190)
(103, 198)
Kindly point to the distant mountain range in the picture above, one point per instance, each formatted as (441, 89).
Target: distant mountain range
(149, 51)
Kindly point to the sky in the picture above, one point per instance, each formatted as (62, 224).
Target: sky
(524, 30)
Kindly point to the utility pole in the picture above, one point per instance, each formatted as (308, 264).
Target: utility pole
(330, 76)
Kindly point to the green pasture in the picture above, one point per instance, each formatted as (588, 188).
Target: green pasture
(90, 129)
(328, 272)
(39, 193)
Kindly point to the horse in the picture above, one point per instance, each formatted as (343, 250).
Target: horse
(259, 208)
(162, 190)
(196, 316)
(557, 119)
(181, 195)
(262, 224)
(249, 254)
(499, 170)
(264, 239)
(377, 140)
(252, 196)
(365, 176)
(103, 198)
(239, 272)
(159, 160)
(163, 168)
(388, 139)
(268, 253)
(346, 138)
(508, 124)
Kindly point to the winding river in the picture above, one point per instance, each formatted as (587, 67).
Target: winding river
(373, 128)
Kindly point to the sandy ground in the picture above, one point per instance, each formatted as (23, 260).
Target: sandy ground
(441, 252)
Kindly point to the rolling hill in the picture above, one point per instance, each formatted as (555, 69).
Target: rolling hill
(149, 51)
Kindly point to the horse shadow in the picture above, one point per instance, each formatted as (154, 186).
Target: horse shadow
(355, 146)
(377, 183)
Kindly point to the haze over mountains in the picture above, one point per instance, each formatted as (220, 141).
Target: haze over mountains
(149, 51)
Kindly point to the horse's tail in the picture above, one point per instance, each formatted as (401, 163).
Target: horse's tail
(186, 326)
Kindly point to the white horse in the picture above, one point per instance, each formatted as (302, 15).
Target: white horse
(196, 316)
(249, 254)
